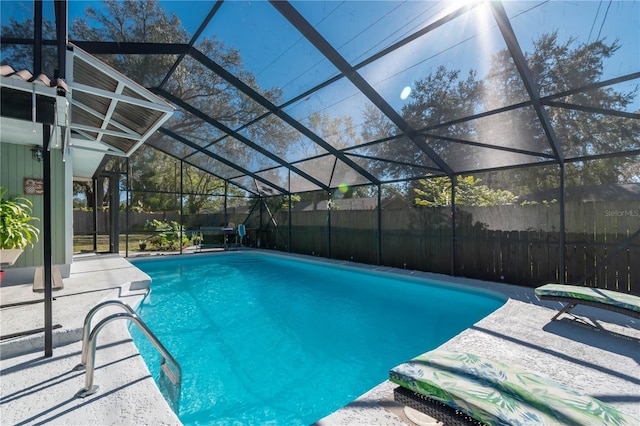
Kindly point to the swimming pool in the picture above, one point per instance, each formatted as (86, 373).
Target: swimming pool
(267, 339)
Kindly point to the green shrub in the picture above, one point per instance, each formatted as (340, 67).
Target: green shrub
(166, 235)
(17, 231)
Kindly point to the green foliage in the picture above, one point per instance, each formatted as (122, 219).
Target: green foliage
(156, 177)
(83, 194)
(132, 21)
(544, 202)
(560, 65)
(197, 238)
(17, 231)
(557, 65)
(436, 192)
(166, 235)
(20, 56)
(295, 198)
(339, 132)
(79, 204)
(137, 206)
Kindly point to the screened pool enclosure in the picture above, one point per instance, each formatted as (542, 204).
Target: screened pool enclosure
(494, 140)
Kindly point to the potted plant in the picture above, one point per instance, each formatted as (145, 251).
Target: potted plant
(17, 230)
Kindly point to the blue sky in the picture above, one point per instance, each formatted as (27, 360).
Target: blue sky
(280, 57)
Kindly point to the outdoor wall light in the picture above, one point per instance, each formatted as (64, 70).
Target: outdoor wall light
(36, 153)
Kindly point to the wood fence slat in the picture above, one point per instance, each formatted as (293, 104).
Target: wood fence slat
(518, 243)
(535, 252)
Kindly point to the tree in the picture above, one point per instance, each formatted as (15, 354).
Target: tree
(127, 21)
(204, 192)
(196, 85)
(154, 178)
(84, 188)
(436, 192)
(441, 96)
(445, 95)
(20, 56)
(289, 202)
(558, 67)
(338, 132)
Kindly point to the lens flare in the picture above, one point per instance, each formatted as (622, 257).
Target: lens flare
(405, 93)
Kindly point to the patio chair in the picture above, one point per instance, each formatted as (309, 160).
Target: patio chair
(459, 388)
(574, 295)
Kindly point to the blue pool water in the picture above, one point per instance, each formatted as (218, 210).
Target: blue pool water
(265, 339)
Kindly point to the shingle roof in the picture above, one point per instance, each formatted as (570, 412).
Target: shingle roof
(26, 75)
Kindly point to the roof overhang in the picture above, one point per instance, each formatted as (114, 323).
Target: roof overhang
(110, 113)
(29, 102)
(97, 111)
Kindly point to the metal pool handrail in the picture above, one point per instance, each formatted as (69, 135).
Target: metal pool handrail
(87, 327)
(89, 350)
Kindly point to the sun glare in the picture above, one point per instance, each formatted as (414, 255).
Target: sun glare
(405, 93)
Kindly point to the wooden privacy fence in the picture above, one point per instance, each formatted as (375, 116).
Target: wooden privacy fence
(83, 220)
(511, 244)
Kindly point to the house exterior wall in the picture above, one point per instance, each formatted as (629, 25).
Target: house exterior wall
(16, 163)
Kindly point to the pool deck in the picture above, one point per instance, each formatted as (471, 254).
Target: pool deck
(37, 390)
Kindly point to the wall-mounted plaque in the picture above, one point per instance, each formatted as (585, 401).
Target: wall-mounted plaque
(33, 186)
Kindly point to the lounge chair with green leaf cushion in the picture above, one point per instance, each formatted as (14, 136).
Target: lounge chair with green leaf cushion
(574, 295)
(493, 393)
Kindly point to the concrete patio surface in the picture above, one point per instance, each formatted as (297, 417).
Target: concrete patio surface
(37, 390)
(604, 364)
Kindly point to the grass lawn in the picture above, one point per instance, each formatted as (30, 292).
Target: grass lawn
(84, 243)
